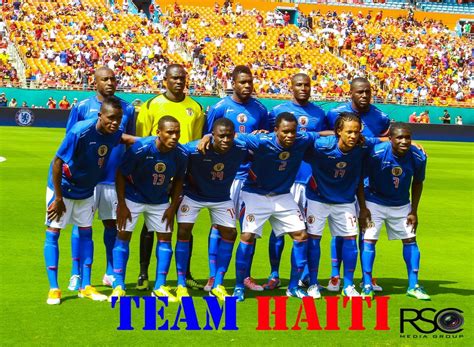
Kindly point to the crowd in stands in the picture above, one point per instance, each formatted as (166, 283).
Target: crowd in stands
(408, 61)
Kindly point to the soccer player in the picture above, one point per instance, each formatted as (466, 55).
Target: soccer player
(78, 166)
(192, 120)
(209, 178)
(105, 196)
(336, 163)
(146, 172)
(392, 168)
(248, 114)
(266, 196)
(375, 123)
(310, 117)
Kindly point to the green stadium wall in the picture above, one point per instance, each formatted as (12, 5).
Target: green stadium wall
(398, 112)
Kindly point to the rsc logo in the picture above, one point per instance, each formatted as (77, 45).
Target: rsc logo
(448, 320)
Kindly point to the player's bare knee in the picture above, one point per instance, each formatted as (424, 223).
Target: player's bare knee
(314, 237)
(163, 236)
(370, 241)
(227, 233)
(109, 223)
(350, 237)
(124, 235)
(54, 230)
(410, 240)
(247, 237)
(299, 235)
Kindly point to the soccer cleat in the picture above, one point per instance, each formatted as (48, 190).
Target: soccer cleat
(90, 292)
(249, 283)
(74, 282)
(273, 283)
(219, 292)
(181, 292)
(296, 292)
(314, 292)
(375, 286)
(54, 297)
(142, 283)
(239, 293)
(193, 284)
(334, 284)
(209, 284)
(367, 291)
(418, 293)
(164, 291)
(350, 292)
(304, 283)
(117, 292)
(108, 280)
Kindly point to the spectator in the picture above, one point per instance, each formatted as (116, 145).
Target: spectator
(425, 117)
(459, 120)
(13, 103)
(24, 104)
(51, 103)
(413, 118)
(64, 104)
(3, 100)
(446, 117)
(74, 102)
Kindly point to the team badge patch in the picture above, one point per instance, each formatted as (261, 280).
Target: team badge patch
(242, 118)
(310, 219)
(303, 121)
(184, 208)
(190, 112)
(24, 117)
(218, 167)
(250, 218)
(397, 171)
(341, 165)
(102, 150)
(160, 167)
(284, 155)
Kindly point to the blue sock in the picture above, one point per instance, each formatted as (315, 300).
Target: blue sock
(224, 255)
(249, 268)
(275, 249)
(242, 262)
(299, 258)
(164, 252)
(75, 270)
(51, 256)
(110, 234)
(314, 253)
(214, 238)
(367, 261)
(411, 255)
(336, 255)
(349, 257)
(121, 252)
(86, 253)
(181, 258)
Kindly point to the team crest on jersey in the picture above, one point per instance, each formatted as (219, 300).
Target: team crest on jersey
(341, 165)
(160, 167)
(102, 150)
(218, 167)
(303, 121)
(397, 171)
(284, 155)
(189, 111)
(242, 118)
(184, 208)
(310, 219)
(250, 218)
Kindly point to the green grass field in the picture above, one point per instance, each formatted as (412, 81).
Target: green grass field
(445, 236)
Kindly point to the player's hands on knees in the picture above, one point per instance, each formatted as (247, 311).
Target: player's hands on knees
(412, 219)
(204, 144)
(365, 218)
(123, 213)
(56, 210)
(168, 216)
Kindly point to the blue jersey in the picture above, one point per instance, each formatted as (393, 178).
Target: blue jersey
(336, 175)
(149, 172)
(390, 177)
(88, 109)
(310, 118)
(375, 123)
(274, 167)
(210, 176)
(246, 118)
(85, 152)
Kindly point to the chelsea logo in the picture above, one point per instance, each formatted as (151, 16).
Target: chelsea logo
(160, 167)
(397, 171)
(24, 117)
(284, 155)
(218, 167)
(102, 150)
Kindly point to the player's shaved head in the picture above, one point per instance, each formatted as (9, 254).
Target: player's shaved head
(397, 126)
(299, 76)
(224, 122)
(105, 82)
(166, 119)
(359, 80)
(301, 88)
(110, 115)
(173, 67)
(111, 102)
(101, 71)
(284, 116)
(239, 69)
